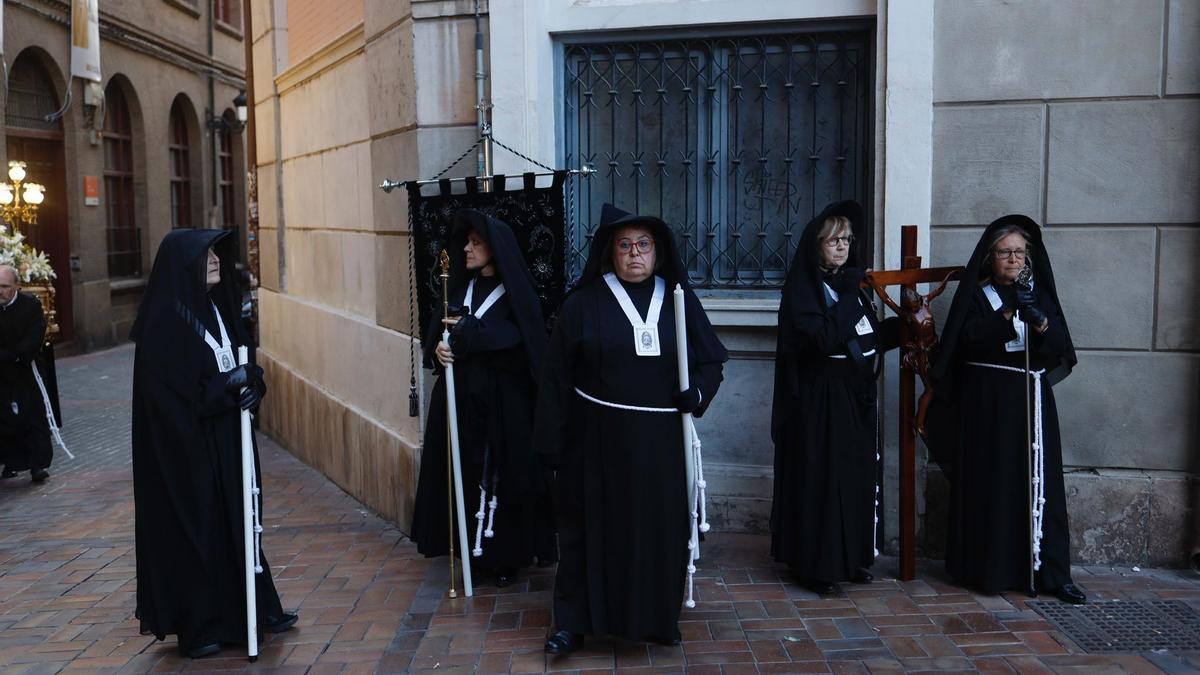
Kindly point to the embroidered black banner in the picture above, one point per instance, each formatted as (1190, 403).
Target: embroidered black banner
(535, 214)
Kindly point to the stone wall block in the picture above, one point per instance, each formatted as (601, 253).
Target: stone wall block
(391, 82)
(1124, 162)
(737, 428)
(986, 50)
(393, 157)
(358, 274)
(1170, 523)
(378, 15)
(1183, 59)
(392, 283)
(444, 54)
(1178, 279)
(987, 161)
(1131, 410)
(1109, 517)
(1103, 309)
(268, 258)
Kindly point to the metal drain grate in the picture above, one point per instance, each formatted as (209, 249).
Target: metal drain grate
(1122, 626)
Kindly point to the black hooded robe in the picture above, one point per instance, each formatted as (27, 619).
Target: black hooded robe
(621, 476)
(24, 429)
(824, 418)
(187, 472)
(496, 358)
(979, 425)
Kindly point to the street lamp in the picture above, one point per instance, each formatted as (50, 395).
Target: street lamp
(239, 105)
(19, 200)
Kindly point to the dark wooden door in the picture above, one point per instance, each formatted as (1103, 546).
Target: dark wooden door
(45, 164)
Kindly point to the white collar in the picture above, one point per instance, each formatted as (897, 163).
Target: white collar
(14, 299)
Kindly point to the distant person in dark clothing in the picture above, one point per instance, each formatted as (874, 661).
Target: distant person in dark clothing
(24, 429)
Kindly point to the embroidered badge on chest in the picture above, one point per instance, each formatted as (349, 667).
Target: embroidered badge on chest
(863, 327)
(645, 339)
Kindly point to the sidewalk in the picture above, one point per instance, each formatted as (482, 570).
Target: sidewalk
(369, 603)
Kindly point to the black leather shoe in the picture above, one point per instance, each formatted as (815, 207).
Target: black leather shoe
(278, 624)
(204, 650)
(564, 642)
(862, 576)
(1070, 593)
(505, 577)
(8, 473)
(819, 587)
(39, 475)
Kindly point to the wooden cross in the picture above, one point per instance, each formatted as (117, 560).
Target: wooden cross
(917, 337)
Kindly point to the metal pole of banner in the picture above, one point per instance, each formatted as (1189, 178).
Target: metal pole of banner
(481, 105)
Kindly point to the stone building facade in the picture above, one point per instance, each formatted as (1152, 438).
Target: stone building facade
(158, 138)
(936, 113)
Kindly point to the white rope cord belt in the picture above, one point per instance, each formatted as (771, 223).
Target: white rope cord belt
(699, 518)
(49, 410)
(843, 356)
(1039, 457)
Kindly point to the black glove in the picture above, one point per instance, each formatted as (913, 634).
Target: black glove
(1025, 297)
(1032, 315)
(249, 399)
(237, 379)
(464, 333)
(244, 382)
(255, 374)
(849, 279)
(688, 400)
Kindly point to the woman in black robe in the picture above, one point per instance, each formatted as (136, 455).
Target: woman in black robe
(979, 419)
(188, 394)
(621, 486)
(823, 419)
(496, 347)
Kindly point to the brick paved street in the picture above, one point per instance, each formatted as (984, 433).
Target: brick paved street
(369, 603)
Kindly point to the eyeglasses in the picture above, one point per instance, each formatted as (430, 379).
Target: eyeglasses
(834, 242)
(625, 246)
(1007, 253)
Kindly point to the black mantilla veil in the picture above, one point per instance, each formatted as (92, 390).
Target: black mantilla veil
(939, 425)
(1043, 279)
(177, 294)
(668, 265)
(513, 273)
(803, 294)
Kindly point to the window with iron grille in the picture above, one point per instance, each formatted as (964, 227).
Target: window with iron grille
(124, 238)
(181, 181)
(737, 142)
(225, 179)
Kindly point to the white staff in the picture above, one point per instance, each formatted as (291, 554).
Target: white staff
(251, 525)
(452, 419)
(691, 451)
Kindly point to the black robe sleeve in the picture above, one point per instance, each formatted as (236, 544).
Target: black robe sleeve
(555, 390)
(984, 328)
(706, 355)
(1055, 343)
(827, 332)
(472, 335)
(32, 323)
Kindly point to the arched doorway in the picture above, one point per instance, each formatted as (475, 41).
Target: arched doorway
(38, 141)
